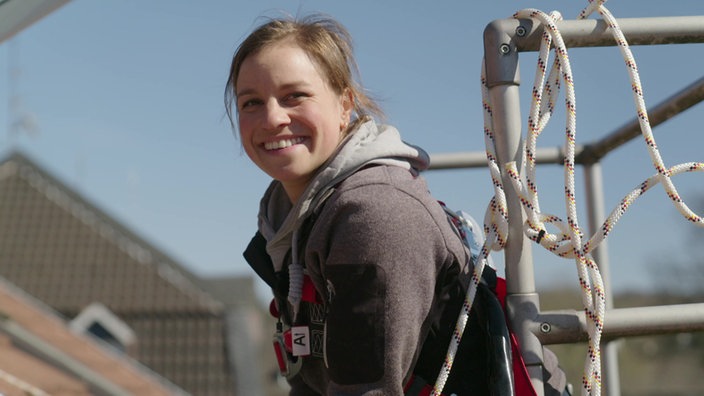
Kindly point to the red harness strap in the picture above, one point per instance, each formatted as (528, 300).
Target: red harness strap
(521, 378)
(309, 294)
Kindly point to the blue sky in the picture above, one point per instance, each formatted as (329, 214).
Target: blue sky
(127, 99)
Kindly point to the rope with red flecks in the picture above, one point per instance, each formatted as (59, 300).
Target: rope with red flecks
(568, 243)
(496, 231)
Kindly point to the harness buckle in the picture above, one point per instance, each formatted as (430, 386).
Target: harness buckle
(289, 365)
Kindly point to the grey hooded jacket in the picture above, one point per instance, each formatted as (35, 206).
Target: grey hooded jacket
(382, 257)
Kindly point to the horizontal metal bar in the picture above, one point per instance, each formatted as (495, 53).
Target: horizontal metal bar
(590, 153)
(596, 33)
(477, 159)
(670, 107)
(560, 327)
(467, 159)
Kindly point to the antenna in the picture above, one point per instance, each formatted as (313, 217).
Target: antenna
(18, 120)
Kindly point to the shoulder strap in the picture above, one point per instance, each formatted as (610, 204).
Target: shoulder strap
(257, 258)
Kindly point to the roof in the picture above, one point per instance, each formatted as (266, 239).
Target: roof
(231, 290)
(41, 353)
(68, 253)
(16, 15)
(262, 373)
(23, 374)
(82, 254)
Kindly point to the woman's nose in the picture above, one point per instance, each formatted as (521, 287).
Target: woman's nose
(276, 115)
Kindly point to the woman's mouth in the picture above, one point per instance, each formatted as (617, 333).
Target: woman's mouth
(282, 144)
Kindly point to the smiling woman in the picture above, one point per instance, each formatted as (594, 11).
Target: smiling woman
(290, 119)
(368, 274)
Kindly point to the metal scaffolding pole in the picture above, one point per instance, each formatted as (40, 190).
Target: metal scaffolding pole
(663, 111)
(570, 326)
(596, 216)
(477, 159)
(501, 66)
(594, 151)
(596, 33)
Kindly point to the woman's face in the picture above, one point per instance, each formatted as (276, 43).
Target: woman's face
(290, 119)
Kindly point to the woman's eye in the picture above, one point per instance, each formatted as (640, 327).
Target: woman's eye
(249, 103)
(295, 96)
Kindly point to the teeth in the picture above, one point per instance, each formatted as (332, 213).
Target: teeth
(282, 143)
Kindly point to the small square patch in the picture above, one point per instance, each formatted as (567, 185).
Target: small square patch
(300, 341)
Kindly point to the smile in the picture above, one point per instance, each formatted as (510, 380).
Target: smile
(281, 144)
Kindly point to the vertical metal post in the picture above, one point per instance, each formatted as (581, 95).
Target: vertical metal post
(509, 145)
(597, 215)
(501, 62)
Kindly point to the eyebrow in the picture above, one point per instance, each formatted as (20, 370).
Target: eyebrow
(295, 84)
(248, 91)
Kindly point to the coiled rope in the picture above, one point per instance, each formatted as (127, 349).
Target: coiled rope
(568, 242)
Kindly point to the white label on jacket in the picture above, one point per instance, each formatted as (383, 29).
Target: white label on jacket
(300, 341)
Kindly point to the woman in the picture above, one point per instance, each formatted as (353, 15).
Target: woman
(367, 272)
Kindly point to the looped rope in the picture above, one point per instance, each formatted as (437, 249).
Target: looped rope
(568, 242)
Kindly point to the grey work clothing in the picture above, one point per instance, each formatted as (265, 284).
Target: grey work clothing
(377, 246)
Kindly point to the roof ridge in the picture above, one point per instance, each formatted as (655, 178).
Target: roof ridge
(18, 294)
(135, 246)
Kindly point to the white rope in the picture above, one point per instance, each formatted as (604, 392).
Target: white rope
(593, 298)
(496, 230)
(569, 242)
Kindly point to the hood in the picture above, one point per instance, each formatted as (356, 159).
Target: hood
(370, 143)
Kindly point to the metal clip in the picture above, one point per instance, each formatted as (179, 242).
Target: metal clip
(289, 365)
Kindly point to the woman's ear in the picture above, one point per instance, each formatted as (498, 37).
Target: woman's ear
(347, 106)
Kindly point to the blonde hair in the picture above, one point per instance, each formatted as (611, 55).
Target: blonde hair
(327, 43)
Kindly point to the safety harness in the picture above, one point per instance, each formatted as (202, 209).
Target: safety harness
(483, 359)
